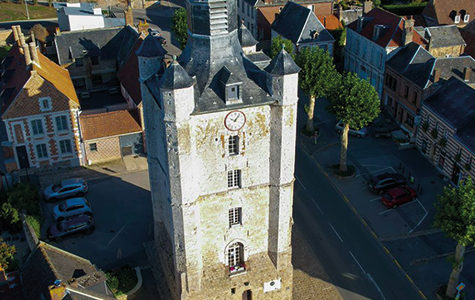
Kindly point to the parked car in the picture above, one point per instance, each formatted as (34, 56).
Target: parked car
(398, 195)
(384, 181)
(66, 189)
(71, 207)
(358, 133)
(79, 223)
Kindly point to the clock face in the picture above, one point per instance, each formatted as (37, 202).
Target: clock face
(235, 120)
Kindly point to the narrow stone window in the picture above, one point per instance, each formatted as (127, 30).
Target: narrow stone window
(235, 216)
(93, 147)
(233, 145)
(234, 179)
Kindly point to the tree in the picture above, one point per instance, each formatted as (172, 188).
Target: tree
(356, 104)
(41, 33)
(455, 216)
(24, 196)
(276, 46)
(317, 77)
(180, 26)
(7, 253)
(8, 214)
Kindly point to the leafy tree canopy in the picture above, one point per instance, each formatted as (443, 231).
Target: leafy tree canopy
(318, 75)
(276, 46)
(355, 102)
(180, 26)
(456, 212)
(6, 254)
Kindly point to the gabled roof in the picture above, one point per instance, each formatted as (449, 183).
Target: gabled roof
(300, 25)
(46, 264)
(441, 36)
(19, 73)
(129, 74)
(414, 63)
(330, 22)
(455, 103)
(108, 43)
(119, 122)
(391, 35)
(442, 12)
(455, 66)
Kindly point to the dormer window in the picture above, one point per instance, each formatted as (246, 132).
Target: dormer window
(231, 86)
(233, 92)
(457, 19)
(466, 18)
(45, 103)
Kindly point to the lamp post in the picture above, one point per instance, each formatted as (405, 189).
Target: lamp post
(26, 8)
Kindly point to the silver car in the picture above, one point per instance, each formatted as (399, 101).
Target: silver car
(358, 133)
(66, 189)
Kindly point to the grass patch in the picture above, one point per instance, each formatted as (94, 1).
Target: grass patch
(350, 170)
(3, 51)
(15, 11)
(35, 223)
(413, 8)
(122, 280)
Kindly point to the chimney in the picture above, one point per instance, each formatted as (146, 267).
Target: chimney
(408, 31)
(129, 15)
(367, 6)
(57, 291)
(436, 75)
(26, 52)
(32, 36)
(325, 22)
(34, 54)
(18, 32)
(359, 25)
(22, 40)
(15, 33)
(467, 72)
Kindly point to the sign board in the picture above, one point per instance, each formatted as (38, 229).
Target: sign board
(272, 285)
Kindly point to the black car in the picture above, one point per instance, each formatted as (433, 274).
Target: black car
(382, 182)
(78, 223)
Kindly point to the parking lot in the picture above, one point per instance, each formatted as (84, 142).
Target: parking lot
(123, 222)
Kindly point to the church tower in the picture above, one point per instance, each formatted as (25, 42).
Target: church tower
(221, 151)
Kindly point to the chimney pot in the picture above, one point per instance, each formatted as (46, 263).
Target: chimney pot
(367, 6)
(32, 36)
(436, 75)
(34, 54)
(22, 40)
(15, 34)
(467, 72)
(359, 24)
(26, 52)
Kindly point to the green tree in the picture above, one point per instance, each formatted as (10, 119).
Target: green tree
(276, 46)
(180, 26)
(24, 196)
(377, 3)
(8, 214)
(356, 104)
(317, 78)
(7, 253)
(455, 216)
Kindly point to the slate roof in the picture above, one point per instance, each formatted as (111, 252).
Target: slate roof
(455, 103)
(129, 74)
(298, 24)
(391, 35)
(439, 12)
(259, 3)
(414, 63)
(245, 37)
(259, 59)
(151, 46)
(82, 5)
(108, 43)
(113, 123)
(282, 64)
(468, 34)
(46, 264)
(454, 67)
(441, 36)
(17, 74)
(175, 77)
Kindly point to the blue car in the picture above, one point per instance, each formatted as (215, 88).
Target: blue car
(66, 189)
(71, 207)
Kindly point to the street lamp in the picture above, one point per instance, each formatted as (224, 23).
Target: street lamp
(26, 7)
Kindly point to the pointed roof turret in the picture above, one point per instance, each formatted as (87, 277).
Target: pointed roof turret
(282, 64)
(175, 77)
(151, 46)
(245, 37)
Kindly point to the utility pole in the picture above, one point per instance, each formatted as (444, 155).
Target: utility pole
(26, 7)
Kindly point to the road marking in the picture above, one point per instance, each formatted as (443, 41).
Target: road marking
(318, 206)
(377, 286)
(374, 199)
(385, 211)
(300, 183)
(334, 230)
(354, 258)
(116, 235)
(425, 215)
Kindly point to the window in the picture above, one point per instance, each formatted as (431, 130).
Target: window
(61, 123)
(233, 92)
(37, 127)
(233, 145)
(94, 60)
(457, 19)
(414, 97)
(466, 18)
(41, 151)
(65, 146)
(93, 147)
(235, 216)
(234, 179)
(406, 91)
(236, 258)
(45, 103)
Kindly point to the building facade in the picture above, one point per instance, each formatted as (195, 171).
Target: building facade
(221, 145)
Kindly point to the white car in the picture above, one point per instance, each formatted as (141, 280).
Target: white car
(358, 133)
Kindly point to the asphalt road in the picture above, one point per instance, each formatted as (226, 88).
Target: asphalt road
(354, 260)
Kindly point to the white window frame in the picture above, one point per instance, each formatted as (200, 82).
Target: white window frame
(235, 254)
(56, 123)
(41, 100)
(37, 153)
(32, 133)
(466, 18)
(457, 19)
(61, 149)
(234, 179)
(235, 216)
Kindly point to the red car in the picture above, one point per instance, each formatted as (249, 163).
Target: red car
(398, 195)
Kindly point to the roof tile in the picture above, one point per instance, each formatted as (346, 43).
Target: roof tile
(95, 126)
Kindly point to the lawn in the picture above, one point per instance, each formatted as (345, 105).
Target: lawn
(15, 11)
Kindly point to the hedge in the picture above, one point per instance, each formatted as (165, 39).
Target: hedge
(406, 9)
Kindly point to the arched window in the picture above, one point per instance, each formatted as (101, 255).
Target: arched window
(236, 258)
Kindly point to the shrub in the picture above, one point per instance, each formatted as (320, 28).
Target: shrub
(112, 281)
(6, 254)
(180, 26)
(122, 280)
(35, 223)
(24, 196)
(413, 8)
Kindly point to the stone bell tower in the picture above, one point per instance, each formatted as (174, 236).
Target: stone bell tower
(221, 150)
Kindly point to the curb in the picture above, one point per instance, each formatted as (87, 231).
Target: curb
(375, 236)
